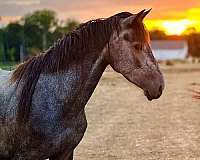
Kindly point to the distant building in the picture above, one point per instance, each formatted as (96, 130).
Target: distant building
(169, 49)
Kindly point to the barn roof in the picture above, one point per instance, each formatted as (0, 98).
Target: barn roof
(168, 44)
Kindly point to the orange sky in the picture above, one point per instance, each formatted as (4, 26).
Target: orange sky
(172, 16)
(177, 25)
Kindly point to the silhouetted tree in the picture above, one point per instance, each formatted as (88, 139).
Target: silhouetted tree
(45, 20)
(13, 39)
(32, 37)
(157, 35)
(68, 26)
(2, 48)
(194, 44)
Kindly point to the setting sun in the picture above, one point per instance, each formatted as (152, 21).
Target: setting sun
(176, 27)
(171, 27)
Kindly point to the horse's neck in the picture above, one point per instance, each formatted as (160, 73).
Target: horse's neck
(89, 74)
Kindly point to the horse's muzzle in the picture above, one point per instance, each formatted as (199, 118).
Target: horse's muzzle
(153, 95)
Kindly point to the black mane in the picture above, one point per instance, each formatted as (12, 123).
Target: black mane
(90, 36)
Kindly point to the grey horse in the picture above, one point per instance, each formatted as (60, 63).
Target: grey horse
(42, 102)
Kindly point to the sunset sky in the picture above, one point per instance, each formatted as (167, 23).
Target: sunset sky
(172, 16)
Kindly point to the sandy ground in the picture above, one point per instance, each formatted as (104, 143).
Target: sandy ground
(123, 125)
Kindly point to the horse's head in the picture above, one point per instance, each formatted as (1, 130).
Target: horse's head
(131, 55)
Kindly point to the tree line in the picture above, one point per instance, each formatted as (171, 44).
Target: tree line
(35, 32)
(32, 34)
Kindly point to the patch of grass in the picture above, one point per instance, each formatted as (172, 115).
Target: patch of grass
(8, 66)
(169, 63)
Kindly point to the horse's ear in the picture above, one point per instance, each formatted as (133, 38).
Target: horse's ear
(128, 22)
(145, 13)
(139, 16)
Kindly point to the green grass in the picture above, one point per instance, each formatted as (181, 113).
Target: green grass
(8, 66)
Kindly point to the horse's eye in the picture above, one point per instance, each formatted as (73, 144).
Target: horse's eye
(138, 46)
(127, 37)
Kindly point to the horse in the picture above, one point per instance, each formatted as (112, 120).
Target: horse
(42, 101)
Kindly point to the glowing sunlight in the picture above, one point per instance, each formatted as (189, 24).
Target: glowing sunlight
(174, 25)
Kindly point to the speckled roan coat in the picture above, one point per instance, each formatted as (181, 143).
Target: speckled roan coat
(54, 119)
(54, 95)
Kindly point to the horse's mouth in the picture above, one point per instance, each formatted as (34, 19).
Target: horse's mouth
(149, 97)
(146, 93)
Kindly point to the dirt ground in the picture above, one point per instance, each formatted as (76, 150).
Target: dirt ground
(123, 125)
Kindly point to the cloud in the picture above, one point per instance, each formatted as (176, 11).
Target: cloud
(84, 10)
(7, 19)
